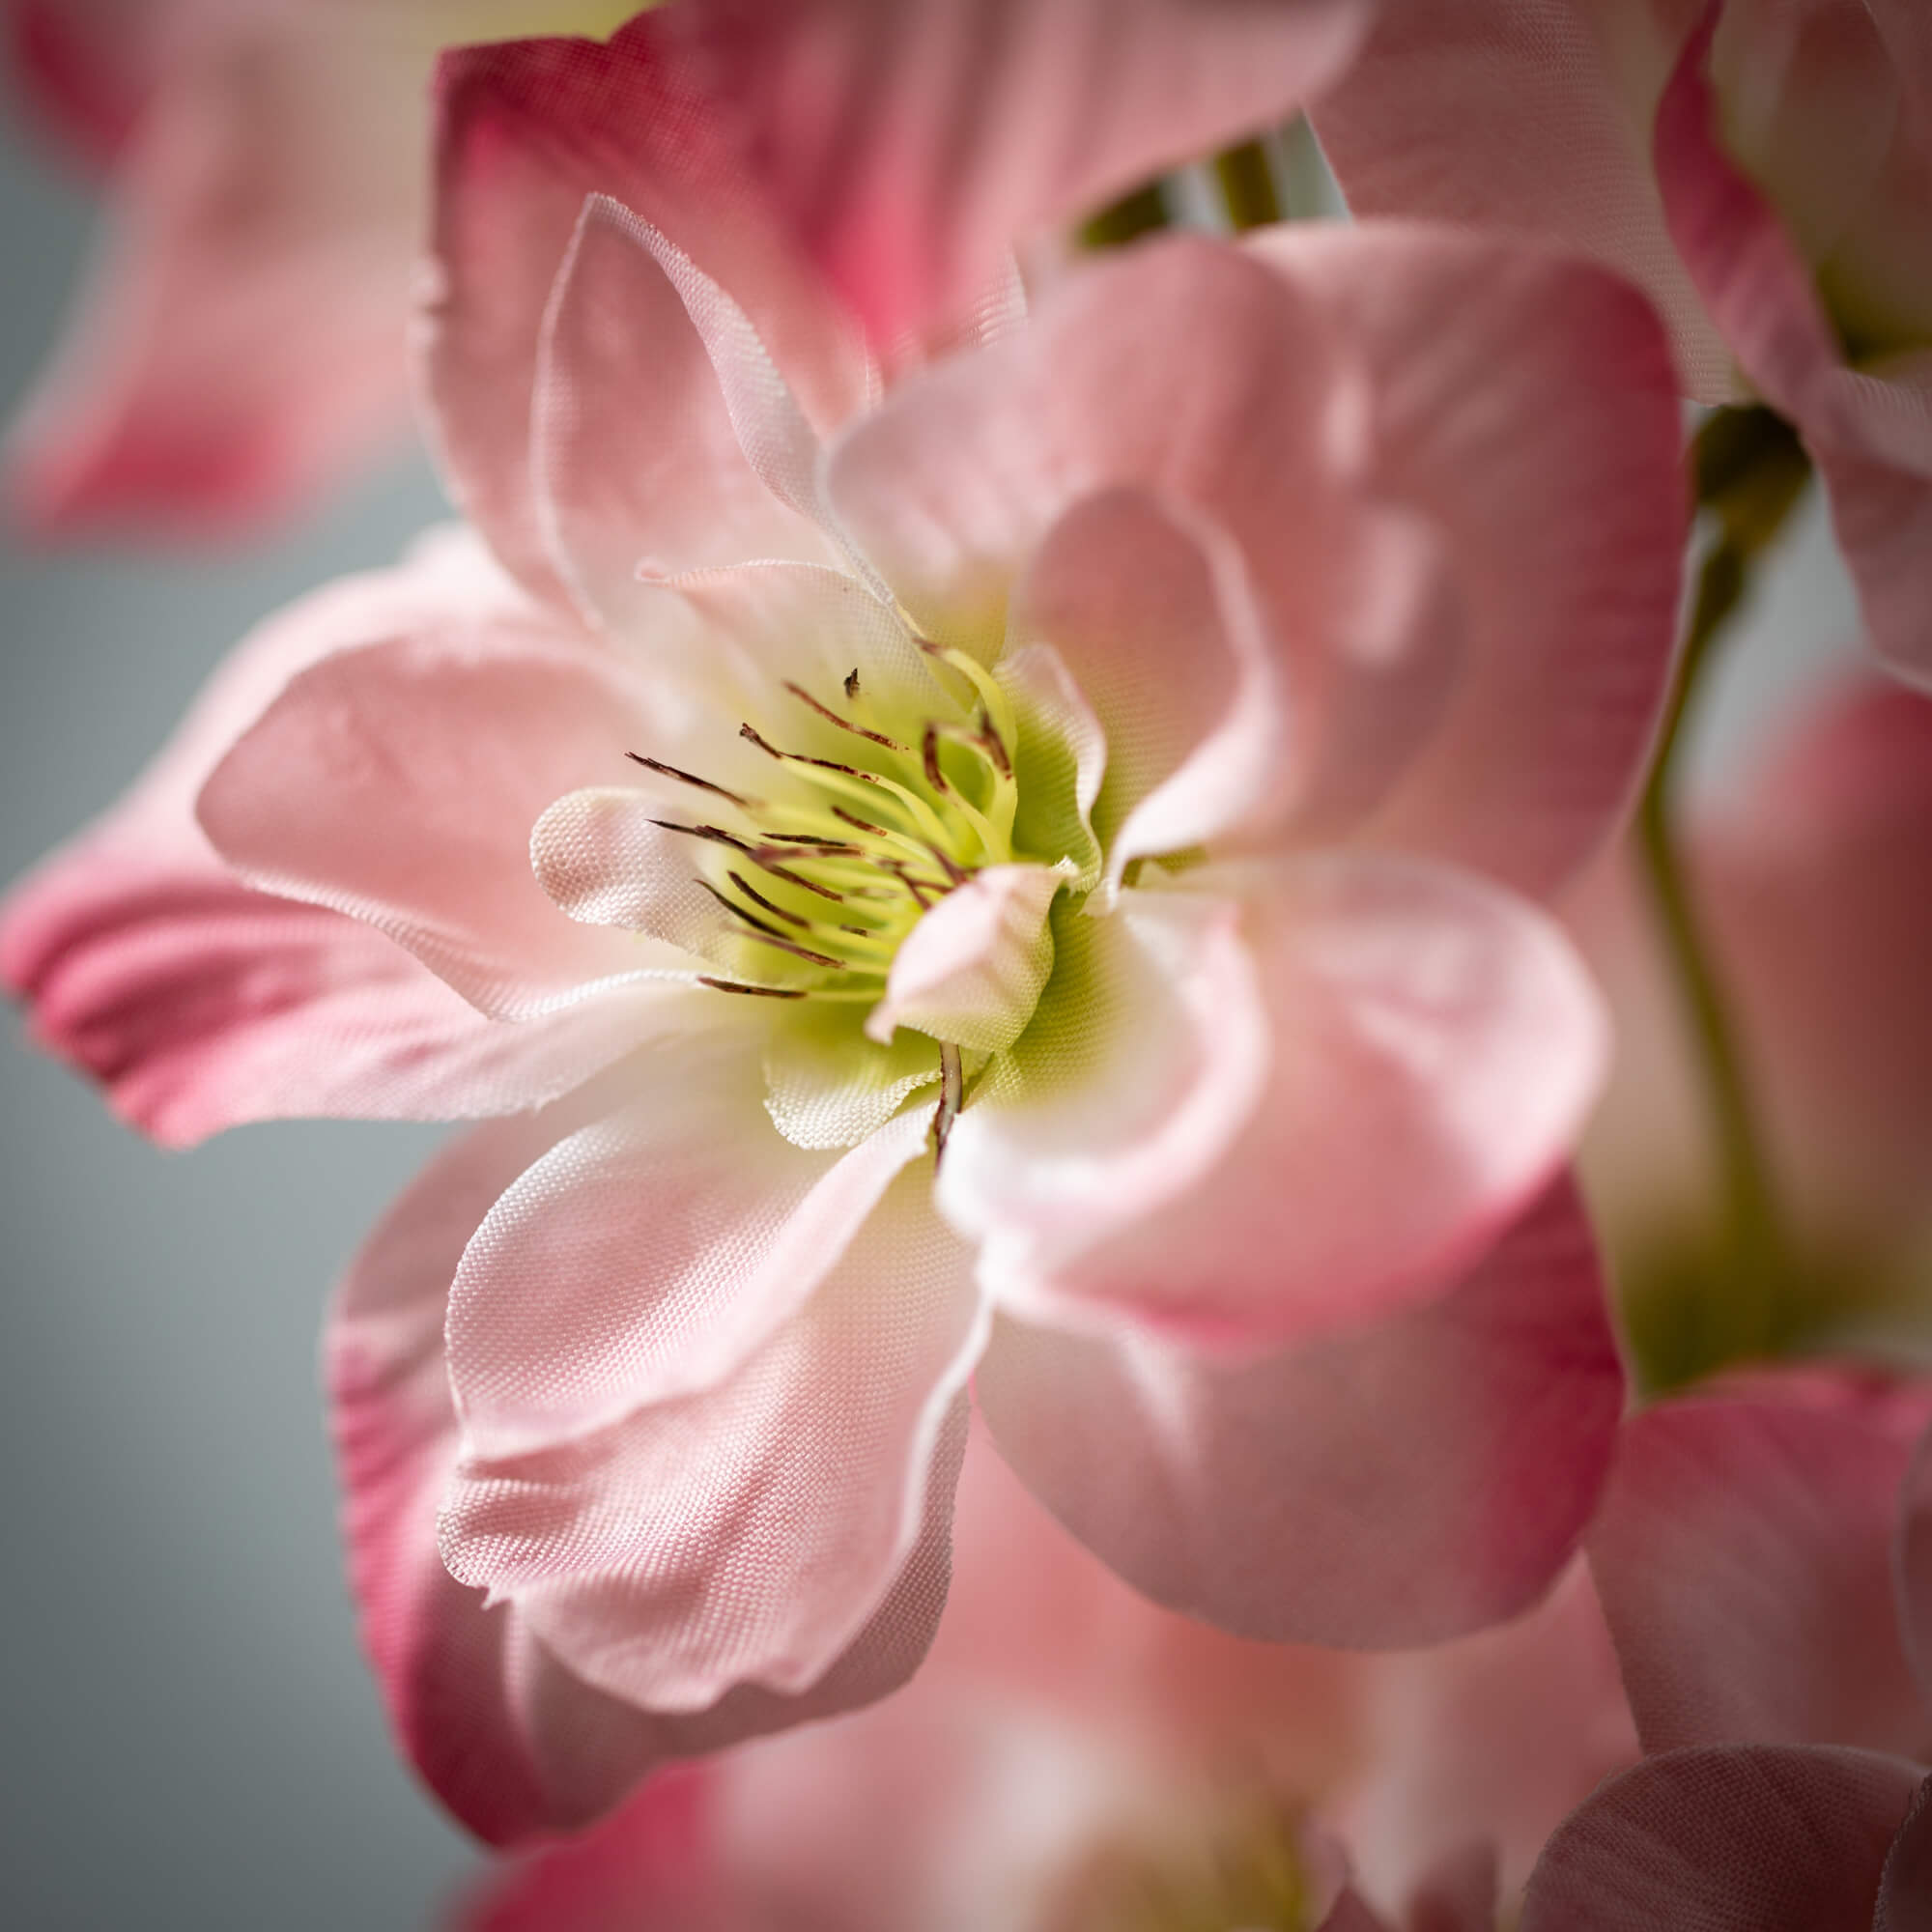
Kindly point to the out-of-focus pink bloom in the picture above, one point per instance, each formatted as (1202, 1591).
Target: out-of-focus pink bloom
(1072, 1758)
(1760, 1561)
(1112, 761)
(1763, 166)
(1810, 875)
(1744, 1838)
(242, 339)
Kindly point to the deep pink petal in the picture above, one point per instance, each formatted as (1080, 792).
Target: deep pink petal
(1522, 117)
(241, 341)
(85, 69)
(201, 1002)
(745, 1534)
(1423, 1478)
(1905, 1890)
(401, 782)
(1539, 434)
(1911, 1558)
(664, 439)
(1882, 516)
(1738, 1839)
(648, 1257)
(911, 142)
(526, 131)
(514, 1744)
(1433, 1047)
(650, 1859)
(1743, 1553)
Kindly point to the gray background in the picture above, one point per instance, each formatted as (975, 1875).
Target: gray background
(187, 1738)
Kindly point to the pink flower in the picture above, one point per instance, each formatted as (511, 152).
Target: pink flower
(241, 342)
(1764, 1558)
(1764, 168)
(1071, 1755)
(1112, 762)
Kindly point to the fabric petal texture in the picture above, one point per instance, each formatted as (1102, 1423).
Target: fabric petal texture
(1425, 1477)
(511, 1740)
(910, 145)
(1740, 1838)
(1744, 1554)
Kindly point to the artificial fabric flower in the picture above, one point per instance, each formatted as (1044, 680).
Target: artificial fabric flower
(241, 342)
(1072, 1760)
(1021, 880)
(1763, 167)
(1764, 1558)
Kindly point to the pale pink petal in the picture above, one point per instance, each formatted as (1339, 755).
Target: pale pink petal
(1739, 1838)
(1152, 615)
(510, 1740)
(1182, 367)
(664, 439)
(648, 1257)
(1146, 1057)
(1743, 1553)
(1531, 117)
(1350, 1913)
(744, 1535)
(240, 339)
(767, 625)
(1882, 516)
(1423, 1478)
(526, 131)
(1494, 1738)
(201, 1002)
(969, 971)
(912, 141)
(399, 782)
(1528, 407)
(1433, 1048)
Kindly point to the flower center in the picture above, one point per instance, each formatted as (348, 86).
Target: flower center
(822, 880)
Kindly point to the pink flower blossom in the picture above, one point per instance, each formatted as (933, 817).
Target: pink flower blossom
(241, 341)
(1764, 168)
(1071, 1755)
(1762, 1562)
(1115, 762)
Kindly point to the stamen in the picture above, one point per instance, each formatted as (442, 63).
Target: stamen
(757, 897)
(804, 696)
(761, 856)
(690, 779)
(852, 685)
(757, 992)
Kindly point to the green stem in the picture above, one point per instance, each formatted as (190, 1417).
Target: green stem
(1126, 221)
(1245, 176)
(1752, 1218)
